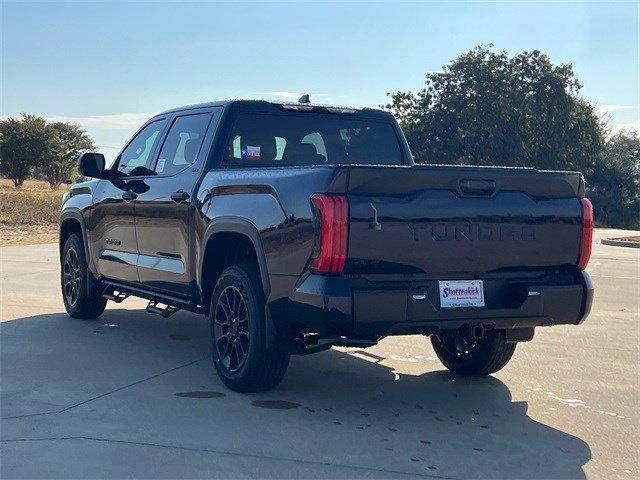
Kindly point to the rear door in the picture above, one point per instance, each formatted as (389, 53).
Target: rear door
(111, 222)
(165, 211)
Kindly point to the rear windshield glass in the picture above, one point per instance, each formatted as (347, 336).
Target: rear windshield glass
(307, 139)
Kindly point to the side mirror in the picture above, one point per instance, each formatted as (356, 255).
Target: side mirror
(91, 164)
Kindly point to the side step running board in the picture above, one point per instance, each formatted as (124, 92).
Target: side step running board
(115, 295)
(165, 310)
(165, 305)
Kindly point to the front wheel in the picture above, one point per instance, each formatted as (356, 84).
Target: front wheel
(468, 356)
(80, 291)
(237, 315)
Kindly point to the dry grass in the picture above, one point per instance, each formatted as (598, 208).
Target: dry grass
(30, 214)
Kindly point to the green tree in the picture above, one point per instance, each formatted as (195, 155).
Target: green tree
(24, 143)
(487, 108)
(613, 182)
(68, 142)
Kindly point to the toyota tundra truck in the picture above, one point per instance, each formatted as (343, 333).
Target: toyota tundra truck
(296, 227)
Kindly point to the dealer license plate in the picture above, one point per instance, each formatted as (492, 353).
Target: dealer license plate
(461, 293)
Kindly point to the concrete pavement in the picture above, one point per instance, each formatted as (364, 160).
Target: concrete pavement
(133, 395)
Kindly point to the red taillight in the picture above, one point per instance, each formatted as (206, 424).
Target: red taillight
(587, 233)
(333, 211)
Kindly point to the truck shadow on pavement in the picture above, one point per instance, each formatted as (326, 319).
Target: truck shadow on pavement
(351, 407)
(471, 425)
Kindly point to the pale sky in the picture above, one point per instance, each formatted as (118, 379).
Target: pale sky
(110, 66)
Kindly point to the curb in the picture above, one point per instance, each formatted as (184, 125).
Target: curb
(619, 243)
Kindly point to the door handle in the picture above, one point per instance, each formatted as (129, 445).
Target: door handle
(129, 195)
(179, 196)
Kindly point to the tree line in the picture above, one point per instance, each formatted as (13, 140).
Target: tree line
(483, 108)
(31, 146)
(486, 108)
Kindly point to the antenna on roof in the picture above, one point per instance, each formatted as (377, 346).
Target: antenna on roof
(304, 99)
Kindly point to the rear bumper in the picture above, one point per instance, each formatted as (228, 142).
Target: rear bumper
(335, 306)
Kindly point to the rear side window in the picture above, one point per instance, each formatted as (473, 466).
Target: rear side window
(182, 144)
(297, 140)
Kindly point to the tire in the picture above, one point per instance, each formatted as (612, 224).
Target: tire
(80, 291)
(480, 357)
(238, 333)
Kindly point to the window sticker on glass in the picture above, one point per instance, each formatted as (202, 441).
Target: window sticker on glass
(160, 165)
(251, 153)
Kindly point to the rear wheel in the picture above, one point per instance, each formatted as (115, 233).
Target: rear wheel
(80, 291)
(238, 333)
(468, 356)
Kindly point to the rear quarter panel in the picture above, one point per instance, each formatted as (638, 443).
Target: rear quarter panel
(277, 202)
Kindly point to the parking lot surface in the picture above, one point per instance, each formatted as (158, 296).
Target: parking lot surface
(133, 395)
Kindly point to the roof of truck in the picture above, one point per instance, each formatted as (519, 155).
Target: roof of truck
(257, 103)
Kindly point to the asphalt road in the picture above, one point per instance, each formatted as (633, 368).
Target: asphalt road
(115, 397)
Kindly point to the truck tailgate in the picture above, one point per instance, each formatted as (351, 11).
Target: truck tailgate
(462, 220)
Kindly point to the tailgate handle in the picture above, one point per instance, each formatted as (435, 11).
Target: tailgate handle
(477, 188)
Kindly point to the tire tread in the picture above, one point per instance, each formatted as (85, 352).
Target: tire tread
(269, 371)
(91, 304)
(494, 355)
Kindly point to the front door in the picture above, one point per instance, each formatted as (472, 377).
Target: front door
(111, 221)
(165, 213)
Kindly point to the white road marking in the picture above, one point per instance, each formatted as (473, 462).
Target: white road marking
(611, 276)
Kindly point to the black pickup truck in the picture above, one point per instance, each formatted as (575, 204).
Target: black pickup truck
(295, 227)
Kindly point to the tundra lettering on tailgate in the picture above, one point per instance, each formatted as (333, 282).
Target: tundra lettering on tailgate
(472, 232)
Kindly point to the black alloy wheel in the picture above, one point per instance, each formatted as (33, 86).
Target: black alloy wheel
(244, 356)
(71, 277)
(231, 328)
(81, 292)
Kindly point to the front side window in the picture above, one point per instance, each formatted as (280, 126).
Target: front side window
(137, 158)
(307, 139)
(182, 144)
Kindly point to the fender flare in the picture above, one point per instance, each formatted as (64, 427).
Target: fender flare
(244, 227)
(75, 214)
